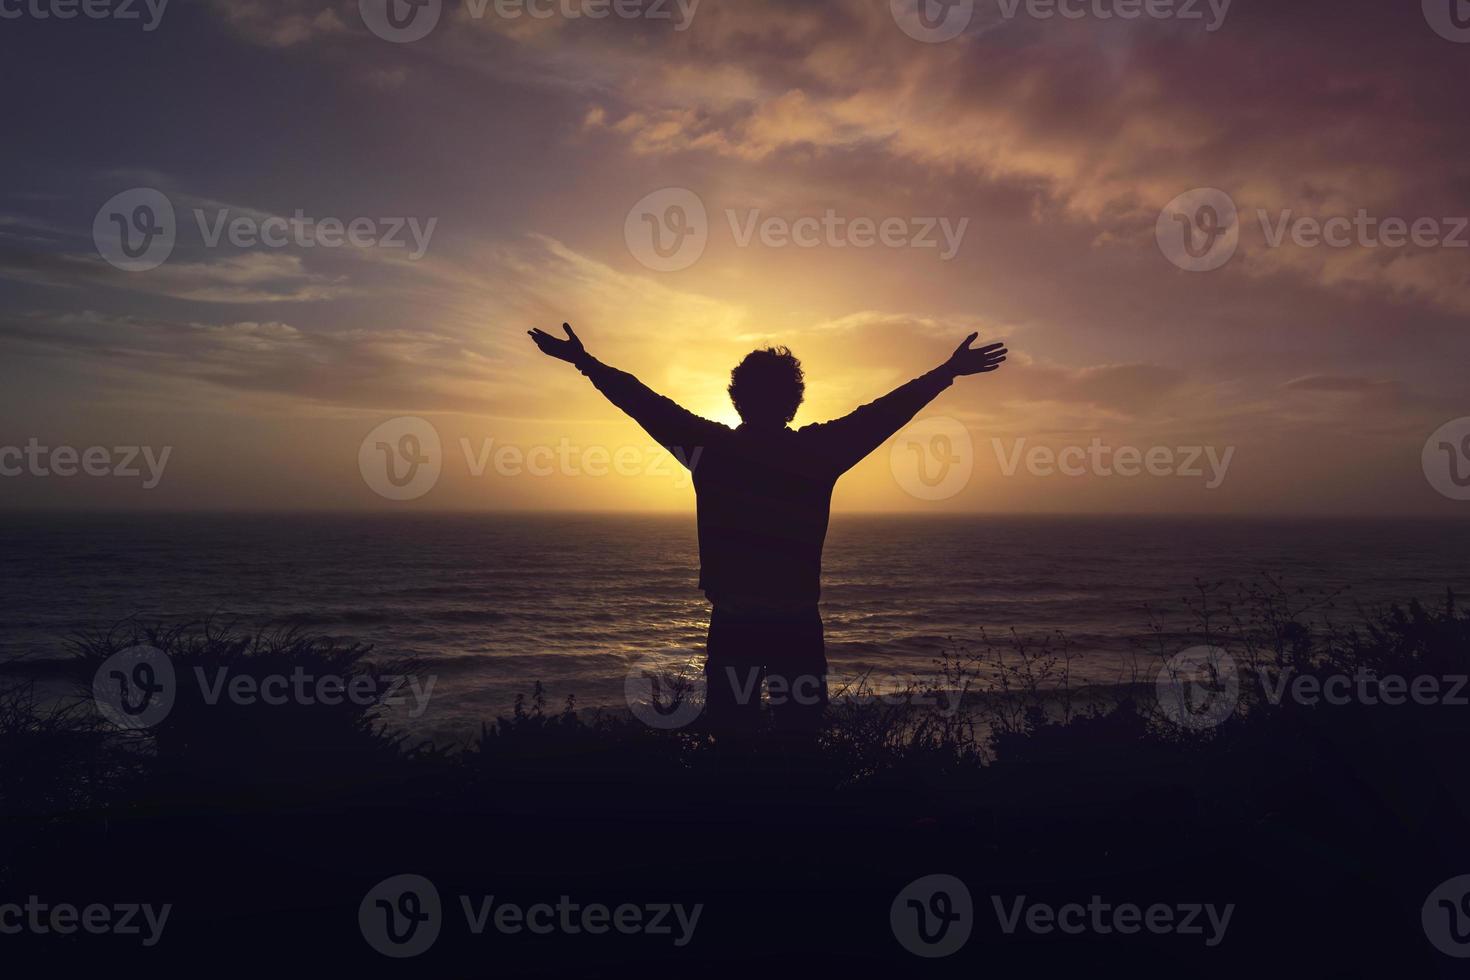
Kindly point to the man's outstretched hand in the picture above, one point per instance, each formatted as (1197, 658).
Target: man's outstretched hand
(569, 350)
(971, 360)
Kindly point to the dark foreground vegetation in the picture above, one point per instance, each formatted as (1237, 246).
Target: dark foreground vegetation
(1325, 825)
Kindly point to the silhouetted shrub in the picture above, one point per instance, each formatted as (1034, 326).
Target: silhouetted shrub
(215, 745)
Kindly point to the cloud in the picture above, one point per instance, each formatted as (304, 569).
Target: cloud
(1092, 121)
(1129, 389)
(1323, 382)
(469, 357)
(293, 367)
(386, 79)
(1059, 141)
(31, 231)
(281, 23)
(253, 277)
(1095, 123)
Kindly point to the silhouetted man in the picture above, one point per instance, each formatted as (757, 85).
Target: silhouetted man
(764, 493)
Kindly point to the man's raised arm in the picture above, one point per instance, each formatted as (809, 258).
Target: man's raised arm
(848, 439)
(675, 428)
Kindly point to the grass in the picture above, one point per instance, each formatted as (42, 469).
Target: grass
(1323, 816)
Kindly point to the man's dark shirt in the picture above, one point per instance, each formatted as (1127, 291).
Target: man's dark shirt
(764, 495)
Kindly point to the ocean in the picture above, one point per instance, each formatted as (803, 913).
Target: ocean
(492, 603)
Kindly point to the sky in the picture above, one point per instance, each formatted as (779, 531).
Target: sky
(862, 181)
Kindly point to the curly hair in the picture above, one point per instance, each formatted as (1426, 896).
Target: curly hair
(767, 387)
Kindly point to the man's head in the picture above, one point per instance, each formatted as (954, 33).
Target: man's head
(767, 387)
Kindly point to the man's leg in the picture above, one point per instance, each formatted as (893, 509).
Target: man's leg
(733, 674)
(797, 666)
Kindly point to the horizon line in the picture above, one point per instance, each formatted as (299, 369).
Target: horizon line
(690, 514)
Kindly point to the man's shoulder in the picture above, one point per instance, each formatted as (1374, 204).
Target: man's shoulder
(814, 436)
